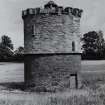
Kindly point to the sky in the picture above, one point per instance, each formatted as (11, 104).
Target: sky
(11, 23)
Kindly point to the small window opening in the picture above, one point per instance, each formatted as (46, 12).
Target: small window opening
(73, 46)
(33, 30)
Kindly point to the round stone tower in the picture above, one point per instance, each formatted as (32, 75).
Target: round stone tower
(52, 46)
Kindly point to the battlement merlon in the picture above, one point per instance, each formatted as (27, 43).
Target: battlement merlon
(52, 8)
(59, 10)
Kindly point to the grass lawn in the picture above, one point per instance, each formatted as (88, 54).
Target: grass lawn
(92, 73)
(11, 72)
(14, 72)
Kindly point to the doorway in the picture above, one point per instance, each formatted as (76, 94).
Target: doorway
(73, 81)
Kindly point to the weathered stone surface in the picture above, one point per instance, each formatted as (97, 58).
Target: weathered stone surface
(51, 70)
(54, 34)
(52, 47)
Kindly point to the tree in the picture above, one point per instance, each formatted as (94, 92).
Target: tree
(19, 50)
(6, 48)
(93, 44)
(89, 42)
(19, 54)
(6, 42)
(100, 42)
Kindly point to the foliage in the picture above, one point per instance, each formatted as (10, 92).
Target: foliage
(19, 50)
(6, 50)
(6, 42)
(93, 45)
(19, 54)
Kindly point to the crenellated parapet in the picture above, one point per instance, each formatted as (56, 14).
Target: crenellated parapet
(52, 47)
(53, 9)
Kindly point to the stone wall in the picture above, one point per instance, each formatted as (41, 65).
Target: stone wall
(52, 34)
(51, 71)
(49, 37)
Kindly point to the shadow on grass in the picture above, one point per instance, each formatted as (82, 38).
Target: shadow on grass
(14, 85)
